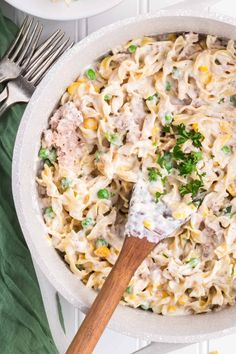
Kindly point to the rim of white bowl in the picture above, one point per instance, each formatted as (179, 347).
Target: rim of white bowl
(60, 14)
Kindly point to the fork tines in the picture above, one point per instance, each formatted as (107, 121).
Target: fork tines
(50, 50)
(25, 43)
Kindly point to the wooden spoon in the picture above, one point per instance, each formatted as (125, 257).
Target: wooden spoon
(133, 252)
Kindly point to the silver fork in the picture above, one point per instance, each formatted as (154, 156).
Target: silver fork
(21, 51)
(22, 88)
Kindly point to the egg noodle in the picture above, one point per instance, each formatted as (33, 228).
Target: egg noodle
(164, 106)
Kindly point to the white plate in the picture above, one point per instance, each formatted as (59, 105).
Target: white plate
(59, 10)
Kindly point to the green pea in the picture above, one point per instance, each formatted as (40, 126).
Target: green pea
(101, 243)
(86, 222)
(168, 86)
(65, 183)
(132, 48)
(44, 153)
(103, 193)
(226, 149)
(91, 74)
(168, 118)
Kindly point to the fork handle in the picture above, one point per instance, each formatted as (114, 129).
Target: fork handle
(4, 107)
(2, 78)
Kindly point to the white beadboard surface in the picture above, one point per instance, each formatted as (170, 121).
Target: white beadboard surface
(113, 342)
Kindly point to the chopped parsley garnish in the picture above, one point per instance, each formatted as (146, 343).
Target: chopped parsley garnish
(152, 174)
(132, 48)
(181, 130)
(91, 74)
(222, 100)
(178, 154)
(101, 242)
(189, 164)
(168, 86)
(166, 129)
(151, 98)
(98, 155)
(185, 135)
(158, 196)
(103, 193)
(233, 100)
(196, 138)
(228, 211)
(193, 262)
(86, 222)
(166, 161)
(65, 183)
(192, 187)
(226, 149)
(185, 163)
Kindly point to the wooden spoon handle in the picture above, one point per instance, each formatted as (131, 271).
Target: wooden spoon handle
(132, 254)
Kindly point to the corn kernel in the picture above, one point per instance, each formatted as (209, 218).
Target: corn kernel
(71, 89)
(164, 294)
(205, 211)
(195, 126)
(155, 130)
(214, 352)
(102, 251)
(231, 189)
(86, 199)
(90, 123)
(206, 78)
(183, 299)
(106, 62)
(203, 69)
(171, 37)
(132, 297)
(179, 215)
(172, 308)
(147, 40)
(147, 224)
(137, 76)
(96, 88)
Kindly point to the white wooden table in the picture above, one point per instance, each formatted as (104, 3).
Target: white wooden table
(113, 342)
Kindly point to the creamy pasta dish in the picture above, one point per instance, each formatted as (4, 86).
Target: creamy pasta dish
(164, 107)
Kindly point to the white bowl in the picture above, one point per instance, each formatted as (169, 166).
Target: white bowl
(130, 321)
(61, 11)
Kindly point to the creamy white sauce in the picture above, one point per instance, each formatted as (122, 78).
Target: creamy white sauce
(148, 218)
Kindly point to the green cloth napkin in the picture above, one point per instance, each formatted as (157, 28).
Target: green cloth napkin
(23, 324)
